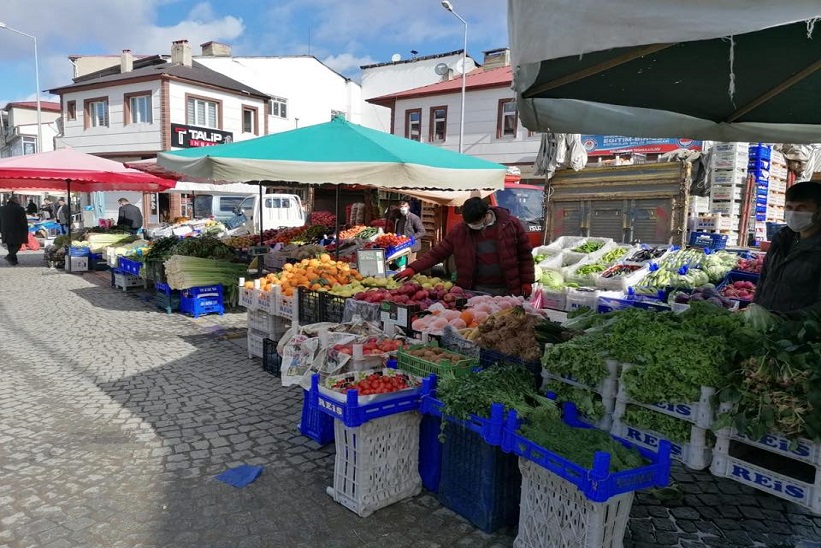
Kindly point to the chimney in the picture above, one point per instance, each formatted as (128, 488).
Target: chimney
(181, 53)
(215, 49)
(495, 58)
(126, 61)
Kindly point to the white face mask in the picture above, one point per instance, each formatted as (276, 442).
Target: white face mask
(404, 210)
(799, 220)
(477, 226)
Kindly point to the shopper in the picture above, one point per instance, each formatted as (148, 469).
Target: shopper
(410, 225)
(31, 208)
(130, 217)
(491, 251)
(790, 281)
(62, 215)
(13, 227)
(47, 210)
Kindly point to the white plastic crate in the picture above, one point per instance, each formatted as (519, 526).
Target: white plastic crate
(778, 158)
(715, 222)
(546, 251)
(578, 298)
(377, 464)
(78, 264)
(726, 207)
(286, 306)
(621, 283)
(262, 322)
(799, 492)
(565, 242)
(730, 161)
(735, 147)
(266, 301)
(695, 454)
(700, 413)
(553, 263)
(723, 192)
(607, 388)
(778, 185)
(554, 512)
(255, 346)
(126, 281)
(247, 298)
(555, 299)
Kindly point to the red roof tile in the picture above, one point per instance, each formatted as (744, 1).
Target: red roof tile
(475, 79)
(44, 105)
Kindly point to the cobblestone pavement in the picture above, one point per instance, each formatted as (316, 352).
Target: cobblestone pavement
(115, 416)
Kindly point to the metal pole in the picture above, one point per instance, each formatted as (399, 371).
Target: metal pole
(68, 205)
(337, 224)
(260, 212)
(464, 71)
(36, 83)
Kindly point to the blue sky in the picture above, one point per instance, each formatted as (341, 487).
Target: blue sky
(342, 33)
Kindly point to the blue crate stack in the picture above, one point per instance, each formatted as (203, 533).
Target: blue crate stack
(198, 301)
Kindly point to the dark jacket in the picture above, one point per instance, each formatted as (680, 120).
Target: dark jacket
(513, 246)
(13, 224)
(31, 209)
(410, 225)
(790, 281)
(62, 214)
(130, 217)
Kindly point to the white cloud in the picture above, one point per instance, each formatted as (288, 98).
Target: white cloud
(346, 62)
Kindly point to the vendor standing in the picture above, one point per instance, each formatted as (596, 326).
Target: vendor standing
(130, 217)
(410, 225)
(492, 252)
(790, 280)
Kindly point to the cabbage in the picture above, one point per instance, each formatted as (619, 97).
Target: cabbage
(537, 269)
(552, 279)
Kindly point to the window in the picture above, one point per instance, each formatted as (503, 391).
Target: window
(339, 113)
(229, 203)
(413, 124)
(438, 124)
(508, 119)
(249, 120)
(71, 111)
(29, 145)
(96, 112)
(279, 107)
(202, 112)
(276, 202)
(137, 108)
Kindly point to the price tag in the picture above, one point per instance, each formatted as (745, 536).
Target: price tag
(258, 250)
(371, 262)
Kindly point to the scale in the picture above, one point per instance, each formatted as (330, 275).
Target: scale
(371, 262)
(258, 251)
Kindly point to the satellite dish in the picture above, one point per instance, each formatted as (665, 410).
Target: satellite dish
(441, 69)
(459, 67)
(396, 57)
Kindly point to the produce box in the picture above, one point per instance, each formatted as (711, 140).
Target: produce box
(799, 449)
(565, 242)
(609, 304)
(430, 452)
(377, 463)
(308, 306)
(75, 251)
(596, 411)
(597, 484)
(700, 413)
(201, 305)
(607, 387)
(166, 298)
(620, 277)
(555, 299)
(271, 360)
(78, 264)
(315, 424)
(354, 410)
(695, 454)
(266, 301)
(489, 429)
(419, 360)
(247, 298)
(581, 298)
(739, 286)
(255, 344)
(285, 306)
(128, 266)
(331, 307)
(707, 239)
(370, 385)
(124, 280)
(489, 358)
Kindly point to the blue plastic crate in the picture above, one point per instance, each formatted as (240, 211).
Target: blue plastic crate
(165, 288)
(430, 452)
(128, 266)
(708, 239)
(488, 358)
(761, 217)
(205, 290)
(761, 190)
(315, 424)
(479, 482)
(760, 152)
(760, 174)
(489, 429)
(200, 306)
(598, 484)
(170, 302)
(761, 208)
(354, 414)
(608, 304)
(391, 251)
(757, 163)
(78, 251)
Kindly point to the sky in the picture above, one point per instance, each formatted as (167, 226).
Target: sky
(344, 34)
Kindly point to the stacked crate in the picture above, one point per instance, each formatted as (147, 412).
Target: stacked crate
(596, 403)
(776, 191)
(263, 325)
(728, 177)
(759, 168)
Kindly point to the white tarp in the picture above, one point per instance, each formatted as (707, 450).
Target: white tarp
(541, 30)
(188, 187)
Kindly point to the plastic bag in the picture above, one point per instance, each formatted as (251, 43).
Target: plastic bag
(537, 297)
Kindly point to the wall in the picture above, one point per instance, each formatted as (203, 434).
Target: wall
(118, 137)
(312, 89)
(392, 78)
(25, 120)
(481, 108)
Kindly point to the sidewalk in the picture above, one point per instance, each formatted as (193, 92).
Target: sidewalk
(114, 417)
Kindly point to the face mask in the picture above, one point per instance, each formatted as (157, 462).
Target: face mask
(799, 220)
(404, 210)
(477, 226)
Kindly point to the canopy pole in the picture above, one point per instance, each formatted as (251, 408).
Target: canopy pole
(336, 222)
(68, 205)
(260, 211)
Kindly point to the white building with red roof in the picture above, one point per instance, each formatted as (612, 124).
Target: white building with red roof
(18, 127)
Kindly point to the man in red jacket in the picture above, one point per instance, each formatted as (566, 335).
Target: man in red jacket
(491, 251)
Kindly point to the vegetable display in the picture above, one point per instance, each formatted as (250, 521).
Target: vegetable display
(644, 255)
(590, 246)
(671, 428)
(707, 293)
(742, 290)
(613, 255)
(186, 271)
(511, 332)
(753, 265)
(588, 403)
(375, 383)
(351, 232)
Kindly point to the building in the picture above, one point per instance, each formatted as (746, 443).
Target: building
(431, 114)
(402, 74)
(303, 90)
(135, 109)
(18, 127)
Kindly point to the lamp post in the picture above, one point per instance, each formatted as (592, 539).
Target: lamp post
(448, 6)
(36, 83)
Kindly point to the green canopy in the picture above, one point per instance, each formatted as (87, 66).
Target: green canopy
(338, 152)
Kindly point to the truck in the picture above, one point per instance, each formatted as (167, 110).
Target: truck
(279, 211)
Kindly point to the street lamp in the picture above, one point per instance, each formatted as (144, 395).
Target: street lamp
(448, 6)
(36, 83)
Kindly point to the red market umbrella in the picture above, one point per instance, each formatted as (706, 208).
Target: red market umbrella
(68, 169)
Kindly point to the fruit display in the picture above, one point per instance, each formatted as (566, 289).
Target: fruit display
(374, 346)
(240, 242)
(380, 283)
(367, 233)
(322, 218)
(386, 241)
(754, 264)
(351, 233)
(320, 274)
(410, 293)
(435, 322)
(377, 382)
(434, 354)
(741, 290)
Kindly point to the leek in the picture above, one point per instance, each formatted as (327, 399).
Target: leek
(183, 272)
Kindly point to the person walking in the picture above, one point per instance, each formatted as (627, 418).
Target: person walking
(410, 225)
(130, 217)
(491, 250)
(47, 210)
(14, 228)
(62, 215)
(31, 208)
